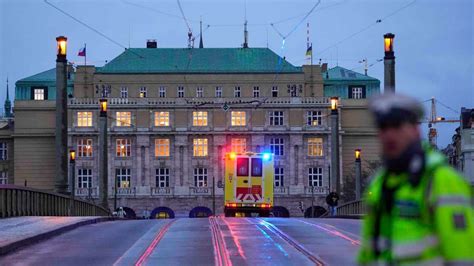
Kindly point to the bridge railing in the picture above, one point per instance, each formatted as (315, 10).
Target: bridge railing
(23, 201)
(356, 208)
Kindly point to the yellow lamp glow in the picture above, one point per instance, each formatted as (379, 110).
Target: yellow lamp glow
(103, 107)
(334, 101)
(388, 42)
(72, 156)
(357, 154)
(232, 155)
(61, 46)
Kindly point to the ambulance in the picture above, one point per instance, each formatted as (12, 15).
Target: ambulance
(248, 189)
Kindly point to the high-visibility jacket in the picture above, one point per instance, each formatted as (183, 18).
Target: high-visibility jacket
(431, 223)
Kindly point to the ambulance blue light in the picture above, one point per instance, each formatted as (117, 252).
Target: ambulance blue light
(266, 156)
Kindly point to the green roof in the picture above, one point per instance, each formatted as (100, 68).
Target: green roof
(45, 76)
(198, 60)
(342, 74)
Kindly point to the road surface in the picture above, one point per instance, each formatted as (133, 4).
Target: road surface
(200, 241)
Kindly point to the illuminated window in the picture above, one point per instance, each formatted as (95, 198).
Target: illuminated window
(180, 92)
(162, 177)
(200, 177)
(84, 148)
(123, 92)
(256, 92)
(237, 92)
(315, 176)
(356, 92)
(123, 147)
(162, 119)
(199, 118)
(279, 176)
(314, 118)
(3, 151)
(39, 94)
(200, 147)
(123, 177)
(238, 118)
(315, 147)
(3, 177)
(238, 145)
(84, 119)
(218, 92)
(162, 147)
(199, 92)
(275, 91)
(162, 92)
(276, 118)
(84, 178)
(124, 119)
(277, 146)
(143, 92)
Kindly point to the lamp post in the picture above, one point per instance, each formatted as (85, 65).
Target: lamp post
(61, 183)
(72, 161)
(334, 184)
(312, 200)
(358, 172)
(103, 164)
(389, 63)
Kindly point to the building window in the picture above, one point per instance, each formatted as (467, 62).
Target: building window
(162, 119)
(123, 92)
(200, 177)
(276, 118)
(199, 92)
(356, 92)
(315, 147)
(84, 119)
(238, 145)
(123, 147)
(162, 92)
(277, 146)
(199, 147)
(279, 176)
(143, 92)
(256, 92)
(238, 118)
(275, 91)
(123, 119)
(123, 177)
(84, 178)
(3, 177)
(237, 92)
(3, 151)
(162, 177)
(39, 94)
(162, 147)
(180, 92)
(218, 92)
(314, 118)
(84, 148)
(315, 176)
(199, 118)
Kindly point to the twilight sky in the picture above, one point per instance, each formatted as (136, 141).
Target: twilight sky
(434, 43)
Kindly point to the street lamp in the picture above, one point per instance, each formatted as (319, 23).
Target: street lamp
(389, 63)
(61, 48)
(72, 161)
(335, 179)
(358, 172)
(388, 43)
(103, 167)
(103, 107)
(334, 103)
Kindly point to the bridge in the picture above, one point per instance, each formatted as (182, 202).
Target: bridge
(200, 241)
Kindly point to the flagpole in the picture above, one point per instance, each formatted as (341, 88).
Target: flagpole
(85, 55)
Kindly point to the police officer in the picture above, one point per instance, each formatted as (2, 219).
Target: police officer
(419, 208)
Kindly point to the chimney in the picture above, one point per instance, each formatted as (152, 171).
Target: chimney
(151, 43)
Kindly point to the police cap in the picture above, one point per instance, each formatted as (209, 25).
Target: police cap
(393, 110)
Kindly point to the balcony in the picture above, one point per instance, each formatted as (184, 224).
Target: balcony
(161, 191)
(316, 190)
(200, 190)
(281, 190)
(91, 192)
(125, 191)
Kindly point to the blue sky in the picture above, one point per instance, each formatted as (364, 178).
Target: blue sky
(434, 43)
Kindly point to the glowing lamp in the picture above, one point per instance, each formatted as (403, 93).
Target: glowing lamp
(334, 102)
(232, 155)
(72, 156)
(388, 43)
(61, 47)
(103, 107)
(266, 156)
(357, 153)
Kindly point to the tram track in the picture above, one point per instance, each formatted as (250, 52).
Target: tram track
(221, 257)
(160, 234)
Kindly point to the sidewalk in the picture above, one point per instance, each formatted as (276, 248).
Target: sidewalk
(17, 232)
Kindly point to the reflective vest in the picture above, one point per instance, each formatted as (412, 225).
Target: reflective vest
(431, 223)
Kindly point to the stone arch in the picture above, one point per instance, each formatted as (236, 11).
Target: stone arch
(200, 212)
(318, 211)
(162, 213)
(129, 212)
(280, 211)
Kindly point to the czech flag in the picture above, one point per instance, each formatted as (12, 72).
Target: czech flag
(82, 51)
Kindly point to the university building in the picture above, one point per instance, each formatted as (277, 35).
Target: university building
(173, 114)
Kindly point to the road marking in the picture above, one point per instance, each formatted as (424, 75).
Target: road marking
(336, 232)
(154, 243)
(220, 250)
(317, 261)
